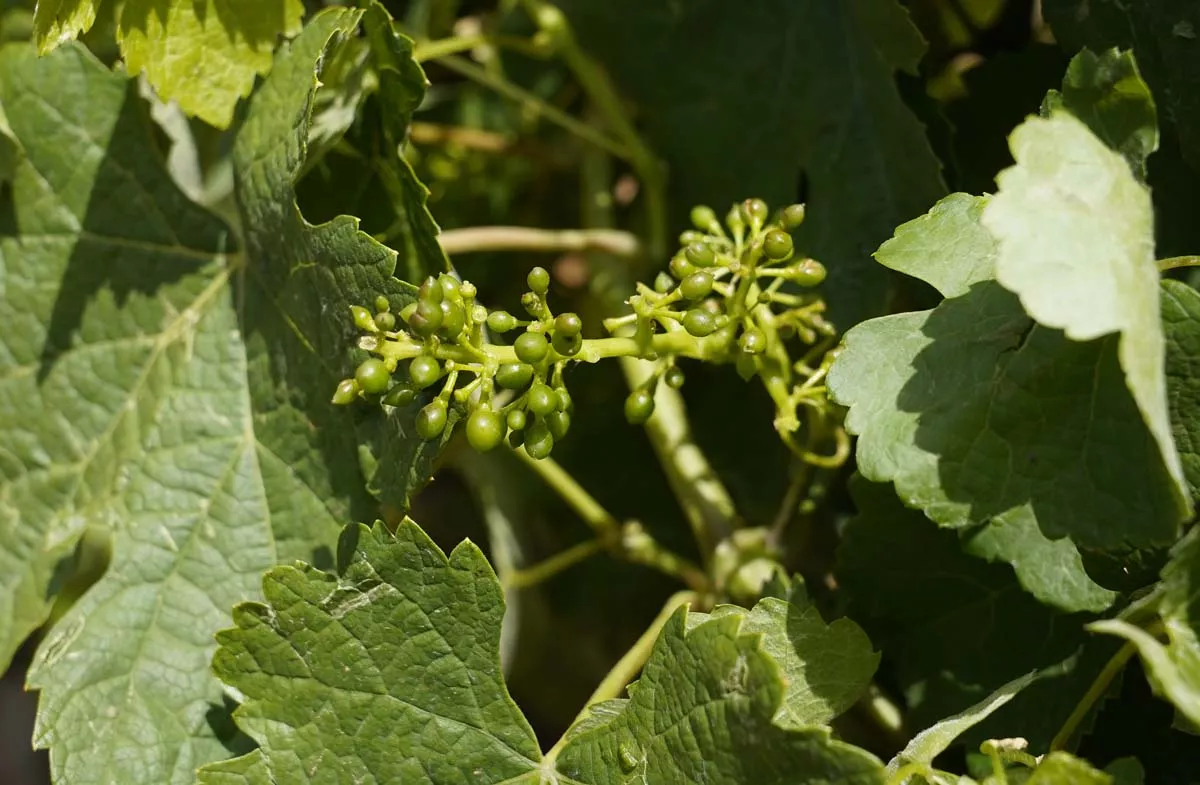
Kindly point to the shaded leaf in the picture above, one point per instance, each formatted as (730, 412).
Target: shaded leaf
(817, 76)
(1075, 236)
(1107, 93)
(1181, 328)
(58, 21)
(1060, 768)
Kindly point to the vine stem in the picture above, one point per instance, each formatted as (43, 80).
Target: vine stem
(630, 664)
(601, 521)
(547, 569)
(1176, 262)
(521, 238)
(1114, 666)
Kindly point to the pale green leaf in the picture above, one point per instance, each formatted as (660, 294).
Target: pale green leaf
(826, 667)
(1075, 231)
(1107, 93)
(390, 672)
(1181, 328)
(1126, 771)
(1060, 768)
(205, 54)
(947, 248)
(58, 21)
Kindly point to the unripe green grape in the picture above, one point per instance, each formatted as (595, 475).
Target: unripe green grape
(663, 283)
(699, 322)
(431, 420)
(346, 392)
(696, 286)
(382, 305)
(530, 347)
(673, 376)
(516, 419)
(700, 254)
(681, 268)
(467, 290)
(485, 430)
(454, 319)
(746, 366)
(703, 218)
(538, 280)
(400, 395)
(538, 441)
(689, 236)
(450, 287)
(564, 399)
(532, 304)
(558, 423)
(785, 331)
(514, 376)
(755, 211)
(407, 311)
(568, 324)
(516, 439)
(541, 399)
(808, 272)
(777, 245)
(431, 291)
(501, 321)
(386, 321)
(426, 319)
(423, 371)
(362, 319)
(735, 220)
(567, 347)
(372, 376)
(479, 314)
(639, 406)
(792, 217)
(753, 341)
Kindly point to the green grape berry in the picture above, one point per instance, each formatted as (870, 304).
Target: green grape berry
(558, 423)
(538, 441)
(792, 217)
(696, 286)
(450, 287)
(372, 376)
(735, 220)
(423, 371)
(454, 319)
(755, 211)
(663, 283)
(689, 236)
(516, 419)
(514, 376)
(362, 319)
(746, 366)
(531, 347)
(700, 254)
(346, 392)
(564, 399)
(681, 268)
(567, 346)
(699, 322)
(385, 320)
(400, 395)
(808, 272)
(431, 420)
(639, 406)
(538, 280)
(777, 245)
(501, 321)
(704, 219)
(753, 341)
(541, 399)
(431, 291)
(674, 377)
(485, 429)
(426, 319)
(382, 305)
(568, 324)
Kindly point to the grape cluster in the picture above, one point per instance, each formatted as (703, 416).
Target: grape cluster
(736, 292)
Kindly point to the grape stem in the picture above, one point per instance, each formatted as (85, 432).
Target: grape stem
(548, 568)
(520, 238)
(1176, 262)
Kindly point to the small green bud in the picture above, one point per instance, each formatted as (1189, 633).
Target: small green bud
(362, 319)
(426, 319)
(501, 321)
(689, 236)
(424, 370)
(663, 283)
(807, 272)
(386, 321)
(700, 254)
(372, 376)
(538, 280)
(674, 377)
(467, 290)
(567, 347)
(699, 322)
(530, 347)
(532, 304)
(755, 211)
(514, 376)
(400, 395)
(681, 268)
(431, 420)
(568, 325)
(558, 423)
(382, 305)
(753, 341)
(541, 399)
(639, 406)
(704, 219)
(777, 245)
(792, 217)
(538, 441)
(746, 366)
(346, 392)
(735, 220)
(454, 319)
(431, 291)
(450, 287)
(516, 419)
(696, 286)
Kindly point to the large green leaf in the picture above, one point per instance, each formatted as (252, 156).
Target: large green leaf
(741, 98)
(1075, 236)
(1181, 328)
(390, 672)
(56, 21)
(948, 400)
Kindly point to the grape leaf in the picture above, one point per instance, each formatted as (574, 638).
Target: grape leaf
(1075, 235)
(1060, 768)
(944, 401)
(390, 671)
(1174, 668)
(58, 21)
(1107, 93)
(826, 667)
(817, 76)
(919, 596)
(1181, 328)
(1162, 35)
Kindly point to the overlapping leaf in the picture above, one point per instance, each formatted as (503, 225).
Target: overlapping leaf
(817, 77)
(972, 410)
(1075, 241)
(1181, 327)
(390, 671)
